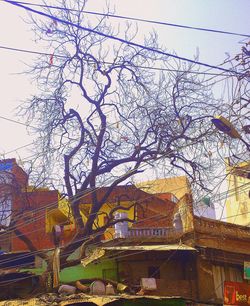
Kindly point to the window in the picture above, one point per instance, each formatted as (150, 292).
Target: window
(221, 274)
(154, 271)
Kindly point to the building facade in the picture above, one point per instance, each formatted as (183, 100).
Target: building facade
(194, 262)
(27, 209)
(238, 195)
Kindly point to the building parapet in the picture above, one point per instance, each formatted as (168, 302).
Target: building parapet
(215, 227)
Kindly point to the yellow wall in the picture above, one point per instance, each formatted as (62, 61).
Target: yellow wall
(238, 201)
(63, 205)
(62, 214)
(58, 215)
(100, 220)
(177, 185)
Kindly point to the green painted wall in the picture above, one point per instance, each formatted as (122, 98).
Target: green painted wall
(105, 269)
(36, 271)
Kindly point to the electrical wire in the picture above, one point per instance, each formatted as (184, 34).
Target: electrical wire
(93, 244)
(35, 52)
(47, 54)
(50, 205)
(118, 254)
(151, 218)
(109, 63)
(95, 235)
(82, 195)
(110, 258)
(124, 255)
(135, 19)
(115, 257)
(18, 148)
(137, 252)
(121, 40)
(17, 122)
(137, 201)
(141, 220)
(55, 203)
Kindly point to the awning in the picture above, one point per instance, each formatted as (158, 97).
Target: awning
(100, 252)
(166, 247)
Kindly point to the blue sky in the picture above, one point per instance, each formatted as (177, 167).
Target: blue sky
(228, 15)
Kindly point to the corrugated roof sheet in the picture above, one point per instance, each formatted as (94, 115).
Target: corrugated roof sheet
(96, 253)
(167, 247)
(100, 252)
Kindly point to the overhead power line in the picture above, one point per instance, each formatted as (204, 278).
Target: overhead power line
(80, 195)
(142, 220)
(136, 222)
(109, 63)
(83, 194)
(17, 122)
(19, 148)
(138, 19)
(120, 39)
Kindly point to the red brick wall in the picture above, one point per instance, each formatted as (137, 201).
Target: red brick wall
(29, 207)
(20, 175)
(154, 214)
(32, 223)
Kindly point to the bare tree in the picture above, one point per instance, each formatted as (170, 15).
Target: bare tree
(236, 106)
(243, 100)
(105, 110)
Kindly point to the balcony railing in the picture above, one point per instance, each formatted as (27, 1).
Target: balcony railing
(149, 232)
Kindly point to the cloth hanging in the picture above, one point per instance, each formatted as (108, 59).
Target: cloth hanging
(57, 234)
(51, 59)
(56, 267)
